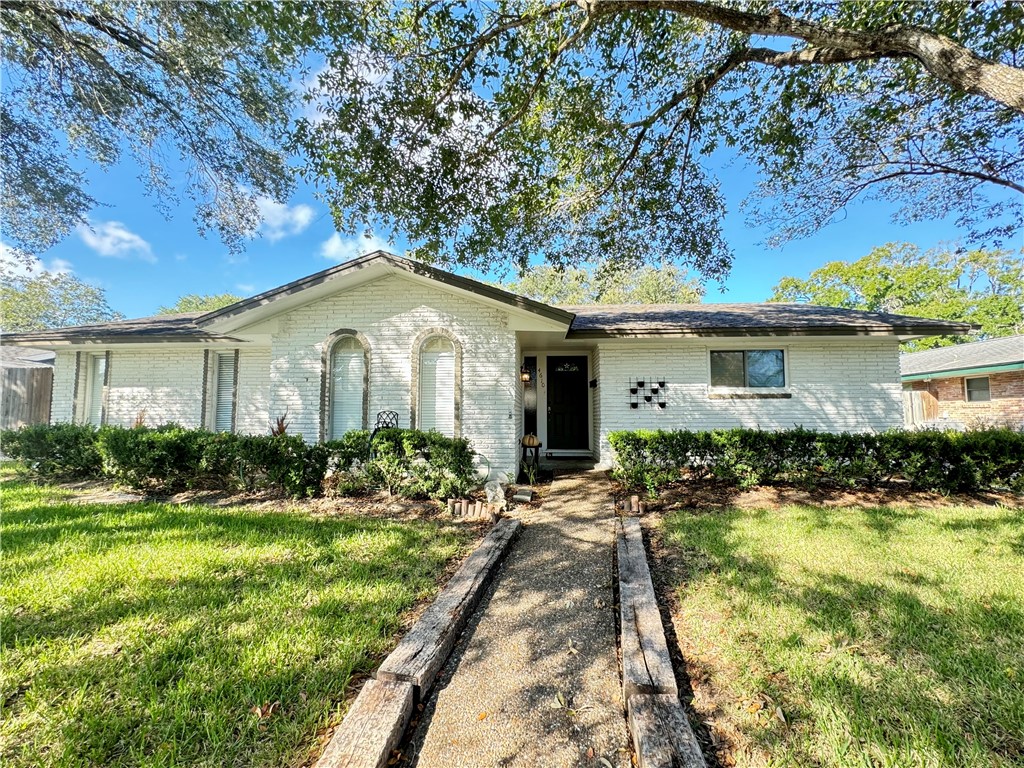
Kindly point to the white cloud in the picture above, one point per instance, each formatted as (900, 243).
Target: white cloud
(114, 240)
(280, 220)
(245, 287)
(60, 266)
(14, 262)
(337, 248)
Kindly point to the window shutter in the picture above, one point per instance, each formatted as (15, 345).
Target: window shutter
(437, 389)
(347, 377)
(97, 373)
(225, 393)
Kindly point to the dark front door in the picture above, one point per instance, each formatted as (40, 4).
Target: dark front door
(567, 403)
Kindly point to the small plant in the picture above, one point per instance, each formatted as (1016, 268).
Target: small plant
(140, 420)
(390, 471)
(529, 472)
(280, 426)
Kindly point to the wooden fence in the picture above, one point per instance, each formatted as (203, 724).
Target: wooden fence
(25, 396)
(919, 408)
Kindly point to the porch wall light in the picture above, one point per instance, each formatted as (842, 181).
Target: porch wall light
(524, 375)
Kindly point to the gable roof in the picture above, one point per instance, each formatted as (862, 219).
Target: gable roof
(1005, 353)
(766, 319)
(384, 263)
(591, 321)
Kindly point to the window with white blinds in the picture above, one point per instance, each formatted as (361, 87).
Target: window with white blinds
(348, 377)
(437, 386)
(97, 379)
(224, 392)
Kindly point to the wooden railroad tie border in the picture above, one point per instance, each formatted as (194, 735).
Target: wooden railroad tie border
(662, 736)
(374, 725)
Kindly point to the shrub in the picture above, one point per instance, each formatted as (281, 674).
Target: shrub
(165, 458)
(949, 462)
(171, 457)
(55, 451)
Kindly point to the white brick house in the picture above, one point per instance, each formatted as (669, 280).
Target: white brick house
(382, 333)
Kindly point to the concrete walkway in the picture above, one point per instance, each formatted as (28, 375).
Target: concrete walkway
(534, 681)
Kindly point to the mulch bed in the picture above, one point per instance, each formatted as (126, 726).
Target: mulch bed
(711, 495)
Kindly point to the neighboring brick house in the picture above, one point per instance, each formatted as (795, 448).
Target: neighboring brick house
(969, 385)
(382, 333)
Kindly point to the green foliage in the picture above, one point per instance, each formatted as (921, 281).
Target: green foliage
(204, 82)
(664, 284)
(165, 624)
(55, 451)
(949, 462)
(421, 464)
(171, 457)
(579, 132)
(900, 624)
(984, 287)
(50, 300)
(194, 302)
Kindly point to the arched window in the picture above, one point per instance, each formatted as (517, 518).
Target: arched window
(436, 408)
(345, 378)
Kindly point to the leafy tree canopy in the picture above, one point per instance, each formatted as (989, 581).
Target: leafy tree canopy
(578, 131)
(50, 300)
(985, 287)
(666, 284)
(196, 92)
(194, 302)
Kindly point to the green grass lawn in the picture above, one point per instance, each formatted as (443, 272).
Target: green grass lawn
(144, 634)
(886, 636)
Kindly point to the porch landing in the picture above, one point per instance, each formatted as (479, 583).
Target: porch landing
(534, 680)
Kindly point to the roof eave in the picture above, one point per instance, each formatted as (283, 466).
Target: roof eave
(56, 342)
(903, 332)
(963, 371)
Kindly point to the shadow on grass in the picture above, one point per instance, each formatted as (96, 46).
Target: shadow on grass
(141, 661)
(904, 681)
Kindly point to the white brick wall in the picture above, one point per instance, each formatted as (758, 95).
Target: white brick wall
(391, 313)
(165, 382)
(836, 386)
(252, 405)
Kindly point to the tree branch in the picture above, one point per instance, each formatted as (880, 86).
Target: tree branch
(941, 56)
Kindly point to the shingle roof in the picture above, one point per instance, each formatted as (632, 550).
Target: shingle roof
(180, 327)
(976, 354)
(746, 319)
(25, 357)
(587, 321)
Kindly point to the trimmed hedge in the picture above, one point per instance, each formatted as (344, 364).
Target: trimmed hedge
(945, 461)
(59, 450)
(171, 457)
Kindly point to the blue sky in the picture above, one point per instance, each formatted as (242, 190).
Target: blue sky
(144, 260)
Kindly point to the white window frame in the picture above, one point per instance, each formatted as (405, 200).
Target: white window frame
(214, 389)
(720, 389)
(93, 392)
(330, 382)
(454, 393)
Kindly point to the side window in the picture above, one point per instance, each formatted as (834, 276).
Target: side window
(748, 368)
(977, 389)
(96, 378)
(436, 407)
(224, 391)
(347, 386)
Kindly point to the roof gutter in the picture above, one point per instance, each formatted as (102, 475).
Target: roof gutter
(978, 369)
